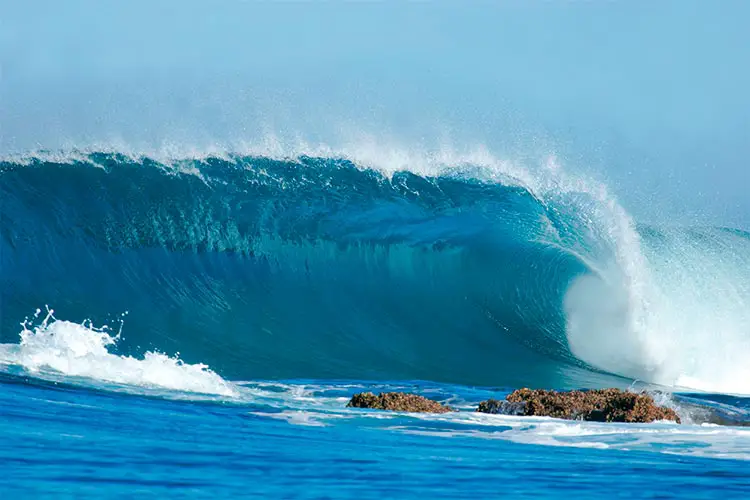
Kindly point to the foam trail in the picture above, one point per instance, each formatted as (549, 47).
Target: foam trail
(81, 350)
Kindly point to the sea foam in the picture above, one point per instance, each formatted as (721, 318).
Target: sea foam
(55, 347)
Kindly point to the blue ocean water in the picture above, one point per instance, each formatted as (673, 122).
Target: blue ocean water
(195, 326)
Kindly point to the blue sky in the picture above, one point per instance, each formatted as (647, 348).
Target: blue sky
(651, 96)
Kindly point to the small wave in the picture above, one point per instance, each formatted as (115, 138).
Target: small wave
(57, 347)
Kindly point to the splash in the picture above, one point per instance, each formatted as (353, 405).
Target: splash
(687, 324)
(81, 350)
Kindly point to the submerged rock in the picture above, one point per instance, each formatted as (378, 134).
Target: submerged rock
(397, 401)
(710, 411)
(501, 407)
(601, 405)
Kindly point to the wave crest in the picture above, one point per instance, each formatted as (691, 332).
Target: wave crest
(331, 267)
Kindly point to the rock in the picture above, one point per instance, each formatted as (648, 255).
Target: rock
(602, 405)
(712, 412)
(397, 401)
(501, 407)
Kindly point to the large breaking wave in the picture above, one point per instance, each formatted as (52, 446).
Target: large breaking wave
(465, 270)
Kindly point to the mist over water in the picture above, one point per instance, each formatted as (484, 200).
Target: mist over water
(647, 97)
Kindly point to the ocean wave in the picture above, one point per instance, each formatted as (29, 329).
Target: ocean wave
(54, 348)
(466, 270)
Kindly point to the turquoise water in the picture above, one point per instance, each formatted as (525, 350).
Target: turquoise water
(194, 326)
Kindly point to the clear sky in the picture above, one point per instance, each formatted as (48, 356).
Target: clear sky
(652, 96)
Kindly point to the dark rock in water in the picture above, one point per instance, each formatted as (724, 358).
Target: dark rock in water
(397, 401)
(702, 410)
(501, 407)
(602, 405)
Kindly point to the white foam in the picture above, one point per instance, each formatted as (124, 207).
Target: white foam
(385, 154)
(661, 437)
(688, 323)
(79, 350)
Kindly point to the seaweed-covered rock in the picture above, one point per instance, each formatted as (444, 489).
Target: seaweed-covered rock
(602, 405)
(397, 401)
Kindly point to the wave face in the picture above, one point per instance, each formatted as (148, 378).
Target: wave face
(326, 267)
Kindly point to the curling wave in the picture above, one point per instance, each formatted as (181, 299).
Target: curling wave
(330, 267)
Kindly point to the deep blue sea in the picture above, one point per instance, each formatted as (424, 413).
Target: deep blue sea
(193, 327)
